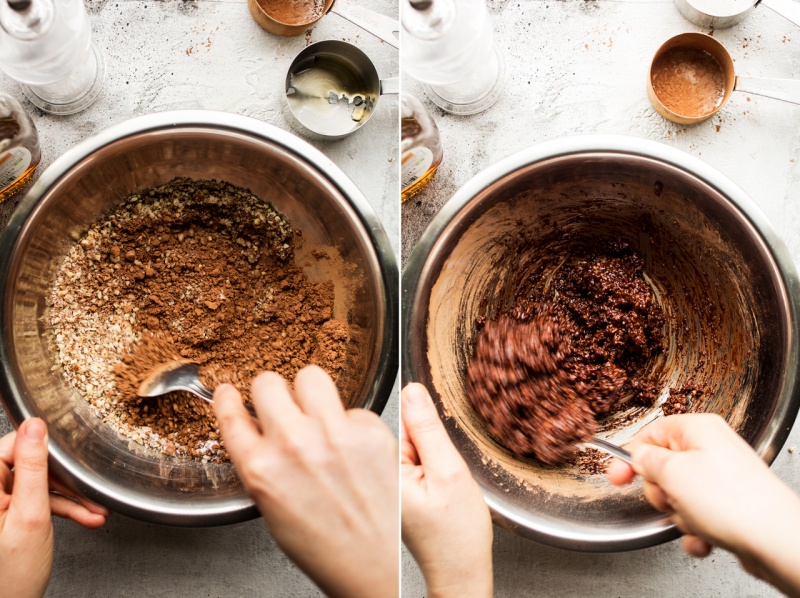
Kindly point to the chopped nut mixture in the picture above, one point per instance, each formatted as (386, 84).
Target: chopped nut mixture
(200, 270)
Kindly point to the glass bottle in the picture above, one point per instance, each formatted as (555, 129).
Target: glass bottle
(47, 46)
(449, 45)
(19, 148)
(420, 147)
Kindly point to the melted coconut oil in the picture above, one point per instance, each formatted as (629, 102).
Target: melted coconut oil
(328, 96)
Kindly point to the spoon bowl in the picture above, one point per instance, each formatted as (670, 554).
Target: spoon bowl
(178, 375)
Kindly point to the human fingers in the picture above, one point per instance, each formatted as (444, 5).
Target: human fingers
(680, 523)
(57, 486)
(365, 417)
(6, 479)
(30, 497)
(317, 395)
(6, 465)
(681, 432)
(436, 452)
(274, 402)
(236, 426)
(6, 485)
(408, 454)
(696, 546)
(7, 449)
(620, 473)
(656, 497)
(651, 461)
(371, 427)
(63, 507)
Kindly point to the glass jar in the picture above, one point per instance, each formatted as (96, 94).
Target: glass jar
(19, 148)
(420, 147)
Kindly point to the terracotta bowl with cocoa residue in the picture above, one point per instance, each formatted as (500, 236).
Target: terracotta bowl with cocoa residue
(93, 177)
(724, 279)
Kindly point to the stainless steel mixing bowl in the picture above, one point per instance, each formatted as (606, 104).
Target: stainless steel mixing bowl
(725, 280)
(315, 195)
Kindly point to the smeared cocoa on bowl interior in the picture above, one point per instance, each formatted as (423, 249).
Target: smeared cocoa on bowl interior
(712, 333)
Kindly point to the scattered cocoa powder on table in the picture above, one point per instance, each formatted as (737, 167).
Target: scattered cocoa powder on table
(199, 270)
(543, 372)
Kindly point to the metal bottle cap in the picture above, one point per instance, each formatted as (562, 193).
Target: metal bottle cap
(19, 5)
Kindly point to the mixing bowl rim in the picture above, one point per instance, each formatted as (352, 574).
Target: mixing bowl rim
(16, 406)
(606, 145)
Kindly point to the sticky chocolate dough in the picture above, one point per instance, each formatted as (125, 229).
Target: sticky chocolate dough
(566, 354)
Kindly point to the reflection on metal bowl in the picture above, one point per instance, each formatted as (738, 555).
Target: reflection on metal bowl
(727, 285)
(90, 179)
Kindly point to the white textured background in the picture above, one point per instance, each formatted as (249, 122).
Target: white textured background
(200, 54)
(580, 66)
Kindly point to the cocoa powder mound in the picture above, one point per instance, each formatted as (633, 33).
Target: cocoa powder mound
(181, 418)
(198, 270)
(150, 352)
(544, 372)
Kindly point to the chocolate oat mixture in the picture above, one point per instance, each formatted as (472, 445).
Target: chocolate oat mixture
(199, 270)
(564, 356)
(680, 400)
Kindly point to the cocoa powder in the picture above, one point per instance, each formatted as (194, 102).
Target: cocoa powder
(198, 270)
(688, 81)
(543, 372)
(293, 12)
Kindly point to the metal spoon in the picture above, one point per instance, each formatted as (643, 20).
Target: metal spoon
(178, 375)
(333, 88)
(605, 445)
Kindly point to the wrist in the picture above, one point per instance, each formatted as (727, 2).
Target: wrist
(770, 548)
(484, 589)
(476, 582)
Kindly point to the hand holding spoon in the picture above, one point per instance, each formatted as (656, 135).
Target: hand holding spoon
(178, 375)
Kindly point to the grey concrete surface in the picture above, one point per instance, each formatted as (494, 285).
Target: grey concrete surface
(203, 54)
(578, 67)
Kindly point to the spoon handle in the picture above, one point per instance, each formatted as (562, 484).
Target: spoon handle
(615, 450)
(379, 25)
(787, 90)
(788, 9)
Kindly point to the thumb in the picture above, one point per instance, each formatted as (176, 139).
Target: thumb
(30, 497)
(426, 432)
